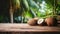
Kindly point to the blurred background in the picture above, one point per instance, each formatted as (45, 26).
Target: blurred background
(20, 11)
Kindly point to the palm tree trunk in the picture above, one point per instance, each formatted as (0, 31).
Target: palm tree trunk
(11, 12)
(11, 15)
(54, 9)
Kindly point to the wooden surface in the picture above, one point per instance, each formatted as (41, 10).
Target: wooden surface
(7, 27)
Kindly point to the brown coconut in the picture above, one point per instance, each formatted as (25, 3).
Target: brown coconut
(32, 22)
(51, 21)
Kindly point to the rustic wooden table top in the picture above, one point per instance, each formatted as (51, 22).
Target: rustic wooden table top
(8, 27)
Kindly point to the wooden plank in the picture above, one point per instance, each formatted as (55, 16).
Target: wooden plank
(7, 27)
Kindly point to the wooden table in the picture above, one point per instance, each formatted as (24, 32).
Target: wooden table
(27, 29)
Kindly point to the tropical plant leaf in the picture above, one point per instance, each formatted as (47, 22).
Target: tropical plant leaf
(25, 3)
(33, 4)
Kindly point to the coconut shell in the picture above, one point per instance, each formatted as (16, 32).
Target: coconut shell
(51, 21)
(32, 22)
(41, 22)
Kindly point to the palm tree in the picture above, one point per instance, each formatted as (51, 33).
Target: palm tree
(13, 6)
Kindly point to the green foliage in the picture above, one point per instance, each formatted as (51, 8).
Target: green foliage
(34, 8)
(15, 3)
(33, 4)
(58, 2)
(50, 2)
(58, 7)
(25, 3)
(1, 18)
(28, 14)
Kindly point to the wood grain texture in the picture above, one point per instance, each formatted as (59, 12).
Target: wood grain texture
(7, 27)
